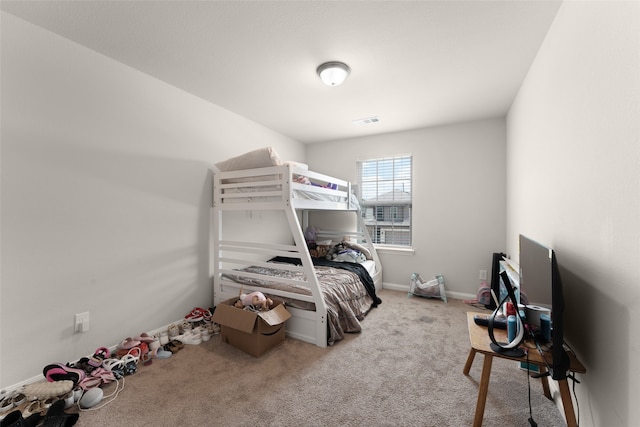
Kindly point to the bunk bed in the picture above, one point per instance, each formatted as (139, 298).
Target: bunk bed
(325, 298)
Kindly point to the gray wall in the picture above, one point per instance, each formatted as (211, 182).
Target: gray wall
(573, 183)
(105, 195)
(458, 201)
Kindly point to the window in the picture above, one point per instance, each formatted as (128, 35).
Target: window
(385, 194)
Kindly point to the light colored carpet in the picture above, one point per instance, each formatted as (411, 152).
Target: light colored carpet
(403, 369)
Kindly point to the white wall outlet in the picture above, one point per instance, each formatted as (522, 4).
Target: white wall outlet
(81, 322)
(483, 274)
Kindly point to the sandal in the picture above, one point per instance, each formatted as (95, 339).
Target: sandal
(145, 338)
(103, 375)
(83, 363)
(99, 356)
(35, 407)
(135, 352)
(146, 359)
(115, 366)
(18, 398)
(128, 343)
(171, 348)
(179, 345)
(130, 364)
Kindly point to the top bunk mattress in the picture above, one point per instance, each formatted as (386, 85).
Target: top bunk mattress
(288, 183)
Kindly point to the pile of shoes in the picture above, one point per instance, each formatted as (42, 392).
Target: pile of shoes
(43, 404)
(198, 326)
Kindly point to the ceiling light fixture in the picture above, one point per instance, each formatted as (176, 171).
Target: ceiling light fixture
(333, 73)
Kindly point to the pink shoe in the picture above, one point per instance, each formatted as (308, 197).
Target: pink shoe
(128, 343)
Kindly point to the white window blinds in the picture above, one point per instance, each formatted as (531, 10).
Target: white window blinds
(385, 192)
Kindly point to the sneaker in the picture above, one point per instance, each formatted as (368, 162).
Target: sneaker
(194, 316)
(192, 338)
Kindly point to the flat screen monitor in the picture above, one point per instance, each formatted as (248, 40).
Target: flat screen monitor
(540, 280)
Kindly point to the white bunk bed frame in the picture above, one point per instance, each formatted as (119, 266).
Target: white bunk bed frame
(272, 189)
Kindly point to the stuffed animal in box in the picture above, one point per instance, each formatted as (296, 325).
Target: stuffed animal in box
(255, 299)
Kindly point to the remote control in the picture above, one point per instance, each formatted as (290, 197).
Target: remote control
(483, 320)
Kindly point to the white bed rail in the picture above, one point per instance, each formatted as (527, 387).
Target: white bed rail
(267, 188)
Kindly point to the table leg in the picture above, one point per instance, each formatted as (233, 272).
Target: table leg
(545, 383)
(567, 403)
(467, 366)
(484, 389)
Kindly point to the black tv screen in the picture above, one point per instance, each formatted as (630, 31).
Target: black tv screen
(540, 280)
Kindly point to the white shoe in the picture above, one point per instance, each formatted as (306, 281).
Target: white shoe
(192, 338)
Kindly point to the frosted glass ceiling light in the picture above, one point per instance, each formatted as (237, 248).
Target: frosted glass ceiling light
(333, 73)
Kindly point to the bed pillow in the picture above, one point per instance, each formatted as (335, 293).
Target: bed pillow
(260, 158)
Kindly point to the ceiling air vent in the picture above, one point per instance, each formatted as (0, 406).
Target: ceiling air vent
(366, 121)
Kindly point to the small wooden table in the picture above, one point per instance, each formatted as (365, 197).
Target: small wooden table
(480, 342)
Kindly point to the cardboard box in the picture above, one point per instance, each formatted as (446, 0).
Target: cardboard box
(251, 332)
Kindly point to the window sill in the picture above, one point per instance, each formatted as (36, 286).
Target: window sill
(394, 250)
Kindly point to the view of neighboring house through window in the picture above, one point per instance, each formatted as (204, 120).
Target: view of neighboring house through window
(385, 196)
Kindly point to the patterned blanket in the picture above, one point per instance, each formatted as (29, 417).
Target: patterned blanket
(346, 296)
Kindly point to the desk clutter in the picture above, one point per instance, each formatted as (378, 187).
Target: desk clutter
(538, 363)
(536, 321)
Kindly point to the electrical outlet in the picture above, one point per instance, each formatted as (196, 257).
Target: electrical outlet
(483, 274)
(81, 322)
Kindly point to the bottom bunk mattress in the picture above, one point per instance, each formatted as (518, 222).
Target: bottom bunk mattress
(347, 289)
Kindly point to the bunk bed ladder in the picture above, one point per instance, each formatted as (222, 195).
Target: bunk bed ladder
(307, 264)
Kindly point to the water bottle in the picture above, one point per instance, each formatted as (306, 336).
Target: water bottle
(511, 327)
